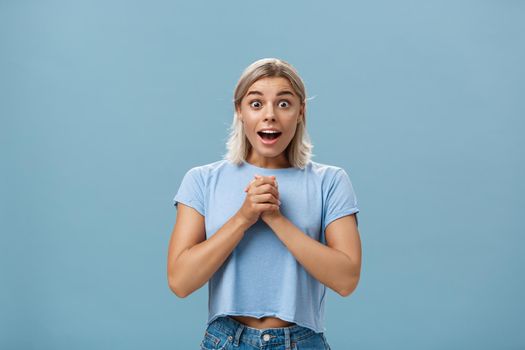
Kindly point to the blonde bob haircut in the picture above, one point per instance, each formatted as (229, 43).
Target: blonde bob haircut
(299, 150)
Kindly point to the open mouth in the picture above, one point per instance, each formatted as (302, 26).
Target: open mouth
(269, 136)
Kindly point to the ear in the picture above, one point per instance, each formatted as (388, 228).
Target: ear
(301, 113)
(238, 111)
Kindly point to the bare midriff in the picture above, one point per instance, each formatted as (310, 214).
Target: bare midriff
(263, 322)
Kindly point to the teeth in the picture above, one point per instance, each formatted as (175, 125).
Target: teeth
(269, 132)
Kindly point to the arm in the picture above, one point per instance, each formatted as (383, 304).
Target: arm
(193, 259)
(337, 264)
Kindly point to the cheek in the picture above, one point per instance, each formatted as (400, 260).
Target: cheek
(292, 127)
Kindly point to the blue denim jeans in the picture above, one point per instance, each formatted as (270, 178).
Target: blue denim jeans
(225, 333)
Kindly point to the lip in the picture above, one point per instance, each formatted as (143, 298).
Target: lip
(269, 142)
(269, 129)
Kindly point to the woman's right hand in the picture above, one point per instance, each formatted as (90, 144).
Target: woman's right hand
(261, 195)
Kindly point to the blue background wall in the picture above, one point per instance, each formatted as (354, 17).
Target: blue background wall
(106, 104)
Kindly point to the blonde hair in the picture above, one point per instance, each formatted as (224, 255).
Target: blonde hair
(299, 150)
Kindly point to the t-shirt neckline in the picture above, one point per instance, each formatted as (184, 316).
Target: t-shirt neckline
(269, 170)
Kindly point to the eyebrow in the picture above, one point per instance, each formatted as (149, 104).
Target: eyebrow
(284, 92)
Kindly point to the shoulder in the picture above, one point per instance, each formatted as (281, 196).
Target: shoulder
(206, 171)
(327, 171)
(332, 178)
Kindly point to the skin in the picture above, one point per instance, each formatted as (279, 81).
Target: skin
(268, 110)
(332, 263)
(336, 264)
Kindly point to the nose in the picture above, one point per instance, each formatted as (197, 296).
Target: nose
(270, 115)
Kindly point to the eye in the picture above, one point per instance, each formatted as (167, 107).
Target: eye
(254, 102)
(286, 102)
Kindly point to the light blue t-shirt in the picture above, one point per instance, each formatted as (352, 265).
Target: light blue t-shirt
(261, 277)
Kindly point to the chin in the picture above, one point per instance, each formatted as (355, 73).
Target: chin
(270, 154)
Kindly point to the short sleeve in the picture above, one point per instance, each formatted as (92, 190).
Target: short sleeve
(191, 191)
(340, 198)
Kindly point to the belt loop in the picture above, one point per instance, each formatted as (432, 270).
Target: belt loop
(287, 338)
(238, 334)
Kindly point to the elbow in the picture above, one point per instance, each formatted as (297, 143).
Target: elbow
(349, 287)
(175, 288)
(178, 283)
(350, 282)
(345, 292)
(178, 292)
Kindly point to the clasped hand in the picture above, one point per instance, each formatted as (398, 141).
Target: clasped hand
(262, 199)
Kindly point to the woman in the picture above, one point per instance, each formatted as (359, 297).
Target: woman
(266, 226)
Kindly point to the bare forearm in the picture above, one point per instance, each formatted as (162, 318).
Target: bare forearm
(196, 265)
(329, 266)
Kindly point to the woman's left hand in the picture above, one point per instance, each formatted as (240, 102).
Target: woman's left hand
(270, 215)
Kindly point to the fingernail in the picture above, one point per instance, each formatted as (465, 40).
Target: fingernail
(279, 202)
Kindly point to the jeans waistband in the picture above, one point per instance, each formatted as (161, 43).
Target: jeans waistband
(273, 336)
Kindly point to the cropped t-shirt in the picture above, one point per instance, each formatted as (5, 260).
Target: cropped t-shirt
(261, 277)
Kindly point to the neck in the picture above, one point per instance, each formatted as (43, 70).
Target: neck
(268, 162)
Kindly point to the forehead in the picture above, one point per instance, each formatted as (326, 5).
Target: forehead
(269, 84)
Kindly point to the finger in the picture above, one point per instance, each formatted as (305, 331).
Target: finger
(249, 185)
(261, 180)
(265, 198)
(273, 188)
(274, 199)
(269, 206)
(266, 188)
(266, 179)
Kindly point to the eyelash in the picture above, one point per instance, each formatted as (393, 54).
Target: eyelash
(279, 101)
